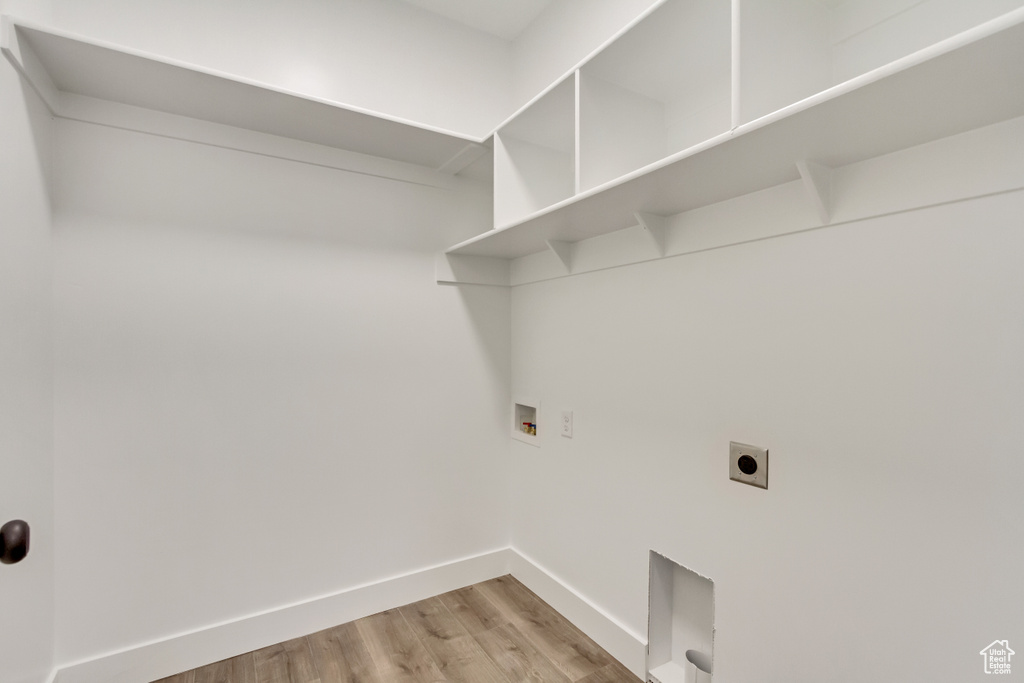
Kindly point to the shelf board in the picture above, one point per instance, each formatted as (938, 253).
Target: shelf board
(969, 81)
(56, 62)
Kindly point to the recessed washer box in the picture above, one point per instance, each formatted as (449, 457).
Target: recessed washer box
(525, 413)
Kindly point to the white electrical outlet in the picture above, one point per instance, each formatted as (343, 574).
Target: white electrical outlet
(567, 423)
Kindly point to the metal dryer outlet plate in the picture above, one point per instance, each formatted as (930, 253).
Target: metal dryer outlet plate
(748, 464)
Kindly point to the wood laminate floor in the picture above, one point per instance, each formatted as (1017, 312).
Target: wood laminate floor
(497, 631)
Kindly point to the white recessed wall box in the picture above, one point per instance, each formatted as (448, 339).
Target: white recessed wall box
(525, 416)
(681, 624)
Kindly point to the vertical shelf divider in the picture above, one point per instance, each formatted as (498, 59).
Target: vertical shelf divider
(576, 134)
(737, 56)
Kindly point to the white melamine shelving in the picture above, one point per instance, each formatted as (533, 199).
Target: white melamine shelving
(698, 102)
(535, 156)
(661, 87)
(968, 80)
(59, 64)
(792, 49)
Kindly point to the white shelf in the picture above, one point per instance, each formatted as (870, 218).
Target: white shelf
(791, 49)
(973, 79)
(55, 62)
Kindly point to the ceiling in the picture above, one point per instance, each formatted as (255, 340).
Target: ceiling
(503, 18)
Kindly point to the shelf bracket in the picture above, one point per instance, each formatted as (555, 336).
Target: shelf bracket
(655, 227)
(818, 183)
(563, 250)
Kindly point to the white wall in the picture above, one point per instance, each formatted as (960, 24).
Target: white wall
(879, 361)
(261, 394)
(26, 413)
(382, 55)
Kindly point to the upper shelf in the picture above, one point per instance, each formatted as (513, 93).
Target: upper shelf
(55, 62)
(971, 80)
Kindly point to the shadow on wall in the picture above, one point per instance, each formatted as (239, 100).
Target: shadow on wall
(144, 179)
(489, 311)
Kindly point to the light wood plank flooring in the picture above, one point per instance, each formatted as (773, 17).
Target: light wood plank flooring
(497, 631)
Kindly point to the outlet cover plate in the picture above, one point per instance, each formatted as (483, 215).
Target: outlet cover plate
(748, 464)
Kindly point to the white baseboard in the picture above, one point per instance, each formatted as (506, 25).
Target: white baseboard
(154, 660)
(620, 641)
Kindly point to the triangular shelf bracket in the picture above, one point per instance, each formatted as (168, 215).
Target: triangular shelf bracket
(818, 183)
(655, 227)
(563, 250)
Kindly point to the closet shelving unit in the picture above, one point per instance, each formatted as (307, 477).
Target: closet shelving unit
(699, 101)
(696, 102)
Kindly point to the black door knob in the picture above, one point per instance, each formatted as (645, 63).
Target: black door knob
(14, 541)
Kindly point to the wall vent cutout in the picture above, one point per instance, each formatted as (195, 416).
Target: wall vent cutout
(681, 624)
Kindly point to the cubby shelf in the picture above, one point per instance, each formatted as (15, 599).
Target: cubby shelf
(963, 82)
(661, 87)
(534, 157)
(55, 62)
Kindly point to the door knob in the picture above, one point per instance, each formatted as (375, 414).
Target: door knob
(14, 541)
